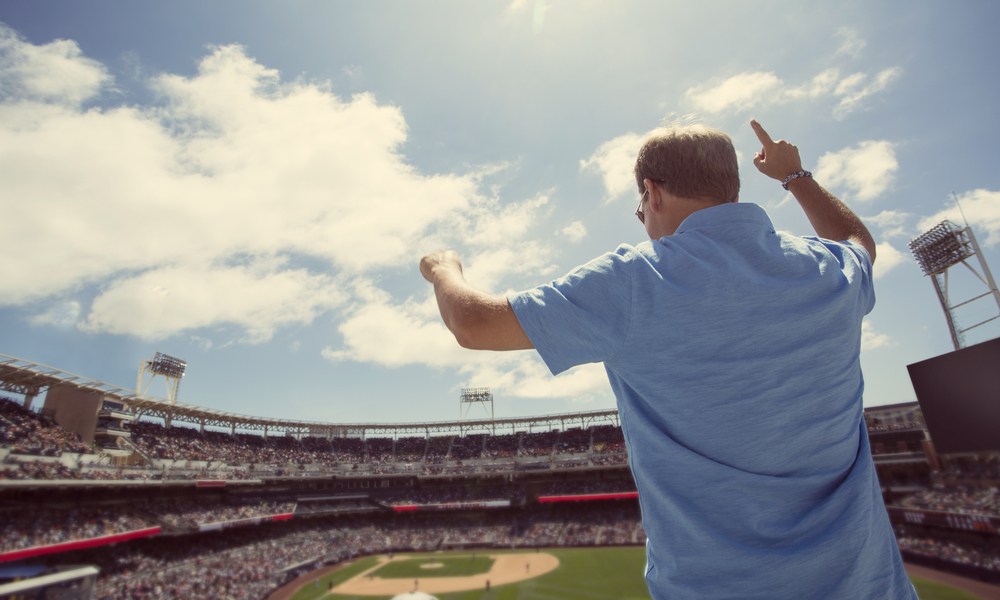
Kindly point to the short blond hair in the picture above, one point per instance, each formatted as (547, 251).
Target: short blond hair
(690, 161)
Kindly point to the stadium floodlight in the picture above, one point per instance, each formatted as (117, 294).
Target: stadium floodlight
(167, 366)
(470, 396)
(941, 248)
(170, 368)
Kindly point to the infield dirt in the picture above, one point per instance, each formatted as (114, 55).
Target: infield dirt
(507, 568)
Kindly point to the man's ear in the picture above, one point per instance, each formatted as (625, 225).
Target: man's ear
(655, 195)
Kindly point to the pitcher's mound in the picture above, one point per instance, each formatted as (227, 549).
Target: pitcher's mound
(414, 596)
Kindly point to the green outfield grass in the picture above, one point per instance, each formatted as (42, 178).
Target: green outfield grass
(457, 566)
(928, 590)
(583, 573)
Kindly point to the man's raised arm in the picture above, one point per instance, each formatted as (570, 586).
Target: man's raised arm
(829, 216)
(480, 321)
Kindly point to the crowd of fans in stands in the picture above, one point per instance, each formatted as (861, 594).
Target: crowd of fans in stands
(18, 468)
(573, 441)
(961, 499)
(189, 513)
(381, 455)
(895, 427)
(608, 439)
(470, 446)
(245, 564)
(185, 513)
(26, 432)
(987, 557)
(23, 527)
(974, 471)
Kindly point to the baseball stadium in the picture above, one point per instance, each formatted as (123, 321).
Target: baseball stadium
(110, 493)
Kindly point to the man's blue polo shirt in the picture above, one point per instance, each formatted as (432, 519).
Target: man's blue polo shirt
(734, 353)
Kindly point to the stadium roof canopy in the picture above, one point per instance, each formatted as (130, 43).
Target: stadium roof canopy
(25, 377)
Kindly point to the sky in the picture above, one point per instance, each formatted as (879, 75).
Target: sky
(250, 186)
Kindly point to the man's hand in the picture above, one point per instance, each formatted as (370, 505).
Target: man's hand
(478, 320)
(829, 216)
(442, 259)
(778, 159)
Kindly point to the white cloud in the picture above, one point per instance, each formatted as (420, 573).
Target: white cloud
(867, 170)
(575, 232)
(746, 91)
(529, 378)
(891, 222)
(354, 72)
(982, 209)
(851, 42)
(758, 89)
(204, 343)
(392, 335)
(65, 313)
(870, 339)
(614, 160)
(259, 297)
(820, 85)
(411, 333)
(887, 257)
(233, 163)
(54, 72)
(853, 93)
(738, 93)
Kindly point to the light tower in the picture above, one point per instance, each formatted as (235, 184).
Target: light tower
(168, 367)
(470, 396)
(941, 248)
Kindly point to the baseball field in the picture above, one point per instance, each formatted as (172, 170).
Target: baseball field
(548, 574)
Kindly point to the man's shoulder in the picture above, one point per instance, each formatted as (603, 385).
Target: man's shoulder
(620, 256)
(845, 251)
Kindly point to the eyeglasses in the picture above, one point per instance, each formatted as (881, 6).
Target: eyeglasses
(638, 211)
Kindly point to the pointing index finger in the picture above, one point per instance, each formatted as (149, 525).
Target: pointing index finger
(761, 134)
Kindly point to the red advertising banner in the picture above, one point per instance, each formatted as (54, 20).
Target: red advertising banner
(79, 544)
(211, 483)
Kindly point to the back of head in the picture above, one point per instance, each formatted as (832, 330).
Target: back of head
(690, 161)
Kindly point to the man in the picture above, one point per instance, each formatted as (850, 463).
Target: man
(733, 351)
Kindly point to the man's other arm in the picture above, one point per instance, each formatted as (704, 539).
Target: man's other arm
(479, 321)
(829, 216)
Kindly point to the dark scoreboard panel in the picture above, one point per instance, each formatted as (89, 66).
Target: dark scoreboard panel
(959, 394)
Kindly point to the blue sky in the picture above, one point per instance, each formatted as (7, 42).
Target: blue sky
(250, 186)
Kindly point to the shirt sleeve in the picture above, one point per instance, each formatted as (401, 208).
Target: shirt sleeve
(856, 264)
(583, 317)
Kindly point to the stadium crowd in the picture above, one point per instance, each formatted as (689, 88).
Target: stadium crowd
(246, 564)
(189, 513)
(608, 439)
(978, 555)
(501, 446)
(25, 432)
(961, 499)
(27, 528)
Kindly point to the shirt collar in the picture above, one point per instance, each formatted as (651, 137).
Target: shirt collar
(732, 213)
